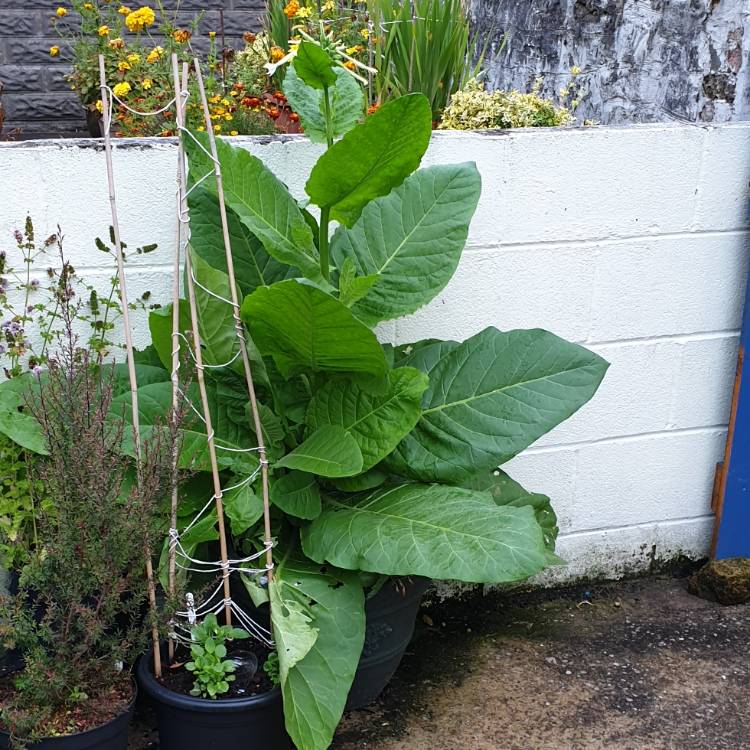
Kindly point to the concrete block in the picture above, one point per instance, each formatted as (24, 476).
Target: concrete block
(653, 478)
(534, 287)
(724, 189)
(670, 285)
(703, 386)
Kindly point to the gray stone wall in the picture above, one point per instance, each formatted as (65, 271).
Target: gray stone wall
(642, 60)
(37, 99)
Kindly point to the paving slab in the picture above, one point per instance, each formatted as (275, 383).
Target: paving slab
(628, 666)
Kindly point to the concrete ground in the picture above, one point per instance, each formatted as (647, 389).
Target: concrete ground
(627, 666)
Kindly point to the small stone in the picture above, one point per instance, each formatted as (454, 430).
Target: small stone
(724, 581)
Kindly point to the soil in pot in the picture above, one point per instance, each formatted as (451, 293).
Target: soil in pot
(99, 722)
(249, 717)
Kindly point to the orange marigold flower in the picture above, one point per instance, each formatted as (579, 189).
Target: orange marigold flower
(182, 35)
(273, 113)
(290, 10)
(294, 117)
(349, 65)
(116, 43)
(276, 53)
(372, 109)
(249, 37)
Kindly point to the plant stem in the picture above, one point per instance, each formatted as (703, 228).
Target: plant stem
(329, 124)
(323, 242)
(325, 213)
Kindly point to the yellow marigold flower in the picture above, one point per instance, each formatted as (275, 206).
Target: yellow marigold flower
(88, 6)
(121, 89)
(212, 35)
(54, 51)
(201, 128)
(139, 19)
(155, 54)
(217, 128)
(116, 43)
(123, 10)
(99, 106)
(123, 65)
(276, 53)
(228, 118)
(60, 12)
(215, 99)
(329, 5)
(226, 102)
(134, 57)
(147, 83)
(291, 8)
(103, 30)
(304, 12)
(181, 36)
(233, 132)
(364, 33)
(352, 50)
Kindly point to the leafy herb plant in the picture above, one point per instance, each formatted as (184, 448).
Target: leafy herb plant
(212, 670)
(77, 616)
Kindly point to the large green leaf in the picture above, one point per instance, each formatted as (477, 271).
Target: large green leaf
(347, 104)
(297, 494)
(429, 530)
(261, 201)
(242, 506)
(253, 266)
(490, 398)
(314, 66)
(329, 452)
(17, 424)
(506, 491)
(411, 239)
(316, 686)
(215, 321)
(154, 406)
(160, 327)
(372, 158)
(377, 421)
(304, 328)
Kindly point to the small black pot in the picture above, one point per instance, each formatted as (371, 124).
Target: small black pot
(391, 614)
(110, 736)
(254, 723)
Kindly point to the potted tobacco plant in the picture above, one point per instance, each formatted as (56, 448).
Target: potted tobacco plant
(384, 460)
(76, 619)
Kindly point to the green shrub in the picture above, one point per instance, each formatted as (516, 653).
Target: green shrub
(474, 108)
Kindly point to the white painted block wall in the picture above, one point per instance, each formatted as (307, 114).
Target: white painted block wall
(633, 241)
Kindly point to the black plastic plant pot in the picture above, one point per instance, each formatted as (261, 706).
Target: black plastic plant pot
(391, 614)
(110, 736)
(253, 723)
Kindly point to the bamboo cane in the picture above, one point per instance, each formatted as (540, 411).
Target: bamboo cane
(238, 322)
(180, 119)
(106, 111)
